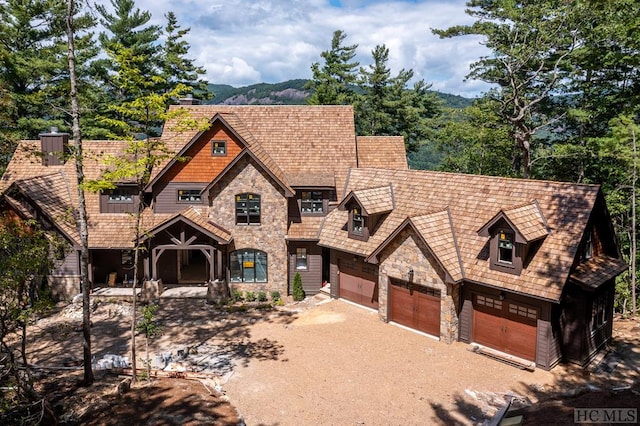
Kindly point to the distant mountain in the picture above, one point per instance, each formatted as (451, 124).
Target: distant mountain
(290, 92)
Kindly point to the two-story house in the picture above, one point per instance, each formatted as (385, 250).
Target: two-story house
(524, 268)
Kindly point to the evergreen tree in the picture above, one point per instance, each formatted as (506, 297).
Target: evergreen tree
(333, 82)
(127, 28)
(386, 107)
(531, 43)
(176, 67)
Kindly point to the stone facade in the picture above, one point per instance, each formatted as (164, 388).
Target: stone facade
(64, 287)
(405, 253)
(248, 177)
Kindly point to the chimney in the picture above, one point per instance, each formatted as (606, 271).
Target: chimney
(189, 100)
(54, 146)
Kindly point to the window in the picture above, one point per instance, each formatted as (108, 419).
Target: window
(505, 247)
(248, 266)
(126, 257)
(587, 249)
(357, 221)
(599, 311)
(218, 147)
(189, 196)
(523, 311)
(301, 258)
(247, 209)
(311, 202)
(120, 195)
(489, 302)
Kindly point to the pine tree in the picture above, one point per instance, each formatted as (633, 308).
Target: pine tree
(333, 82)
(176, 67)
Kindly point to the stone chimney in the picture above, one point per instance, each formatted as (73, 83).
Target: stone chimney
(189, 100)
(54, 146)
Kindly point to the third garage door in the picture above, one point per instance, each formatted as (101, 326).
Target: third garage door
(415, 306)
(505, 325)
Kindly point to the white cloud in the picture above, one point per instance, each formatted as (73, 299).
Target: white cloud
(242, 42)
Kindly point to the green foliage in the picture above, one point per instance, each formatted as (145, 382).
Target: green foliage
(262, 296)
(236, 296)
(250, 296)
(333, 82)
(298, 290)
(148, 324)
(275, 296)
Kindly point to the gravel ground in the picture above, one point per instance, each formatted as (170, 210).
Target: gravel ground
(328, 362)
(342, 365)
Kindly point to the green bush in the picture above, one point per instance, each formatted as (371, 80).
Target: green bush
(262, 296)
(236, 296)
(298, 291)
(250, 296)
(275, 296)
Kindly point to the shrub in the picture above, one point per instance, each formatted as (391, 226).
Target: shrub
(262, 296)
(298, 291)
(236, 296)
(250, 296)
(275, 296)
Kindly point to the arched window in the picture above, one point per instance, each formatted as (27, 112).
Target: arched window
(248, 266)
(247, 209)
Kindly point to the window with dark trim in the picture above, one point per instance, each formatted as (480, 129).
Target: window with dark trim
(248, 266)
(126, 257)
(357, 221)
(505, 247)
(599, 311)
(311, 202)
(587, 248)
(120, 195)
(301, 258)
(218, 147)
(189, 196)
(247, 209)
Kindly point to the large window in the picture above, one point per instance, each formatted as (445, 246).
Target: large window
(311, 202)
(189, 196)
(505, 247)
(248, 266)
(301, 258)
(247, 209)
(599, 310)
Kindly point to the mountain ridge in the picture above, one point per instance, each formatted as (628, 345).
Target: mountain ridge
(291, 92)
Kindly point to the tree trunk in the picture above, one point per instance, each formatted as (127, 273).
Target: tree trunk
(634, 232)
(82, 209)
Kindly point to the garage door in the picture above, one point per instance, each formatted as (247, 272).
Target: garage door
(358, 283)
(415, 306)
(507, 326)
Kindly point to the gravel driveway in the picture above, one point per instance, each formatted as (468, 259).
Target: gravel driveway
(338, 364)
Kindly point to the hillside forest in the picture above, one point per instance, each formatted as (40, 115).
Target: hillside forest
(564, 103)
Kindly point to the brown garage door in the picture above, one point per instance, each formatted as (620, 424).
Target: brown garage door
(505, 325)
(415, 306)
(358, 283)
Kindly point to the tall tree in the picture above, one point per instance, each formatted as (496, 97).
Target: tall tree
(176, 67)
(386, 106)
(531, 42)
(71, 12)
(128, 28)
(333, 82)
(31, 67)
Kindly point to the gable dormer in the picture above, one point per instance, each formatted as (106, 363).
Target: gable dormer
(513, 233)
(366, 208)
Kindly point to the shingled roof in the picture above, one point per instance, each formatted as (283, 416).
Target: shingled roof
(301, 140)
(387, 152)
(473, 201)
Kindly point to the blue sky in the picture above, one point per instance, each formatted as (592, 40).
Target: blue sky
(242, 42)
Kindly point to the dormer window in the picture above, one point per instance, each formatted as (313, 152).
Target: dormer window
(505, 247)
(357, 221)
(587, 248)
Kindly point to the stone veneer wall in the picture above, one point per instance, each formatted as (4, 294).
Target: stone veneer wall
(404, 253)
(64, 288)
(269, 236)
